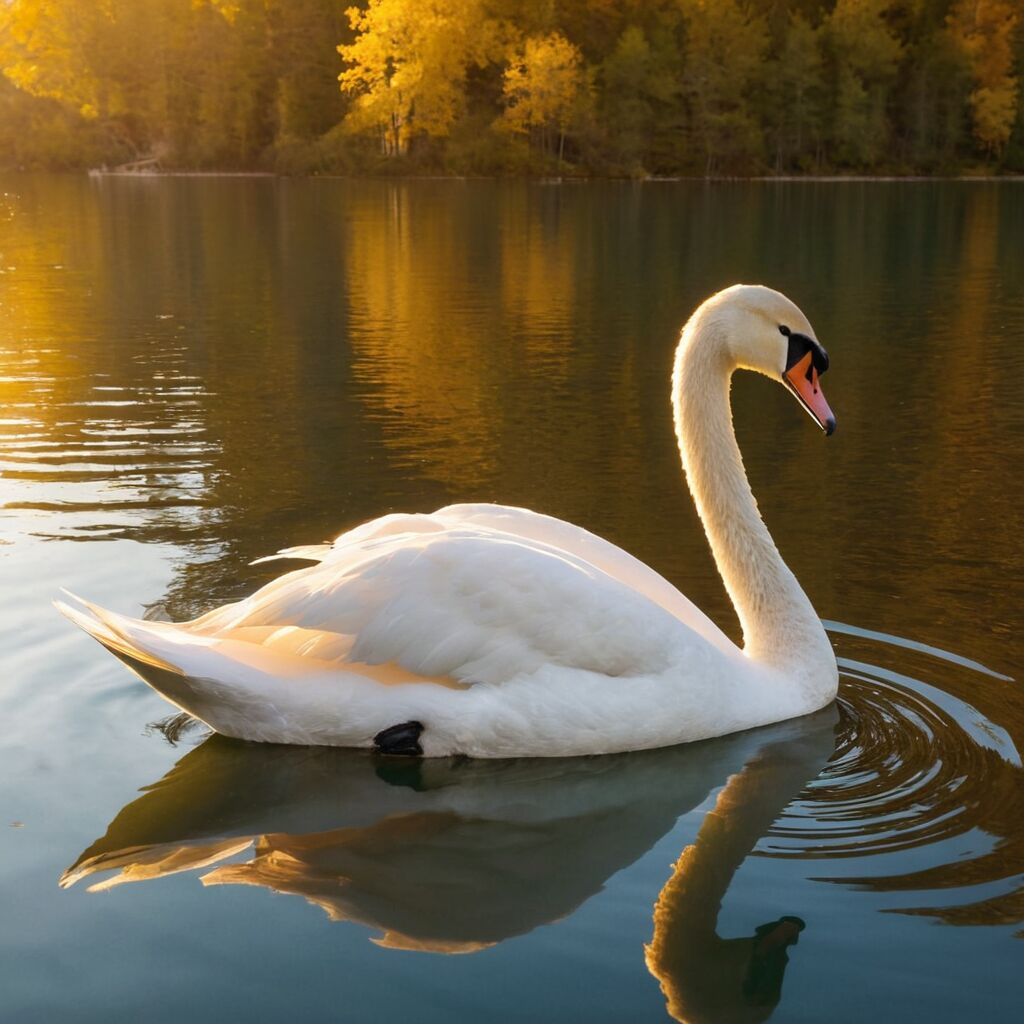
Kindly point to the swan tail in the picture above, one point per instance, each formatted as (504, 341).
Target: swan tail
(237, 688)
(184, 668)
(107, 628)
(303, 553)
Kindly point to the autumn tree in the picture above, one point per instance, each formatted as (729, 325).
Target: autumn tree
(148, 70)
(407, 65)
(608, 86)
(543, 86)
(983, 31)
(58, 50)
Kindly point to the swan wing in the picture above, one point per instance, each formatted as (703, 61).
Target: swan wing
(553, 654)
(373, 529)
(457, 604)
(533, 527)
(602, 554)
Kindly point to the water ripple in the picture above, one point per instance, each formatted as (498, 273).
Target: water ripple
(915, 767)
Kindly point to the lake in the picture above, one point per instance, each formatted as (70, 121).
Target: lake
(196, 372)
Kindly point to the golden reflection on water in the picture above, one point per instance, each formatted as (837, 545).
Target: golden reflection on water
(416, 341)
(706, 978)
(229, 368)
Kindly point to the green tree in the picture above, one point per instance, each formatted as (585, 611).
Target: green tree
(866, 54)
(724, 65)
(795, 95)
(635, 88)
(933, 108)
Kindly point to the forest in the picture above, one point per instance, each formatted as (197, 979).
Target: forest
(618, 88)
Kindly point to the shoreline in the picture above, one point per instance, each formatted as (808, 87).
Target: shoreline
(552, 179)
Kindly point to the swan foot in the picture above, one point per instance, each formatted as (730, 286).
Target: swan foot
(403, 739)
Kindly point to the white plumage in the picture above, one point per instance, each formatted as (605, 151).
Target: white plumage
(505, 632)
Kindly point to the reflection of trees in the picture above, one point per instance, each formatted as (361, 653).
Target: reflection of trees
(430, 374)
(952, 523)
(335, 350)
(172, 354)
(116, 434)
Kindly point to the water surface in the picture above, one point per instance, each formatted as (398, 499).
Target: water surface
(197, 372)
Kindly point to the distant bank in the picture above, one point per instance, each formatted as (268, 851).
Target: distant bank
(556, 180)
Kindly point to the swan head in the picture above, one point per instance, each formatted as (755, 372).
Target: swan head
(764, 331)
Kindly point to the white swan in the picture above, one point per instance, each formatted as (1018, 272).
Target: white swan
(497, 632)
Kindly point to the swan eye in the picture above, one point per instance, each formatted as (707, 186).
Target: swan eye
(799, 346)
(784, 330)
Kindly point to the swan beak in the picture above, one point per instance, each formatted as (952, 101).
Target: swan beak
(802, 380)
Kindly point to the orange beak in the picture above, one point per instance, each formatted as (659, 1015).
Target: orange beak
(802, 379)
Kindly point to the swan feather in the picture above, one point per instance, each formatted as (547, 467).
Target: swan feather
(510, 633)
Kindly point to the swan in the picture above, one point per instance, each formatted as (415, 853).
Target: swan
(492, 631)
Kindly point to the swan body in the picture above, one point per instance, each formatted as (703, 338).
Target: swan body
(501, 632)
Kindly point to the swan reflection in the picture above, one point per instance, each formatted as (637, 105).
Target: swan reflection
(703, 976)
(453, 856)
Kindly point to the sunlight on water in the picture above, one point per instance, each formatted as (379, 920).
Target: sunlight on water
(195, 374)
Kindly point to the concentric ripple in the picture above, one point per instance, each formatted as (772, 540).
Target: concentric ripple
(916, 765)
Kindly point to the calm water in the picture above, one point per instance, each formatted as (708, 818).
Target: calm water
(195, 373)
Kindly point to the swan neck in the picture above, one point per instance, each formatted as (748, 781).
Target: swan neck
(780, 627)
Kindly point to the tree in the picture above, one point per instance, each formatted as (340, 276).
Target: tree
(303, 36)
(146, 70)
(615, 86)
(407, 65)
(633, 86)
(983, 31)
(56, 50)
(543, 84)
(724, 63)
(866, 56)
(794, 94)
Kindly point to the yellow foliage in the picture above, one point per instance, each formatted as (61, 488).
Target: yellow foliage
(42, 45)
(983, 30)
(542, 83)
(408, 63)
(229, 9)
(994, 111)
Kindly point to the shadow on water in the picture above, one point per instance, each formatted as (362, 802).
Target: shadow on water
(454, 856)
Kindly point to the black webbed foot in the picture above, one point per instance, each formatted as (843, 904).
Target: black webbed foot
(403, 739)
